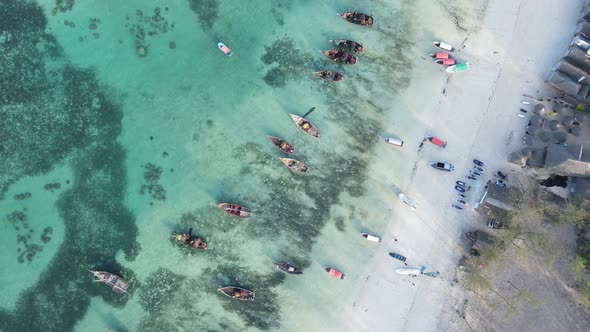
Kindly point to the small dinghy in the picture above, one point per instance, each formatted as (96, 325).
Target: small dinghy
(440, 55)
(295, 165)
(442, 166)
(282, 145)
(445, 62)
(116, 283)
(458, 68)
(444, 46)
(358, 18)
(407, 200)
(234, 210)
(335, 273)
(436, 141)
(224, 49)
(305, 125)
(288, 268)
(393, 141)
(237, 293)
(328, 75)
(398, 256)
(371, 238)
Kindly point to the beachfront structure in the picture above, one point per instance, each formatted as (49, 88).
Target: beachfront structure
(571, 160)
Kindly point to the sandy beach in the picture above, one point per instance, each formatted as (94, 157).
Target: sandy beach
(511, 46)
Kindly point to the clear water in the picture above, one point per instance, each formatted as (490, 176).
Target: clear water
(80, 108)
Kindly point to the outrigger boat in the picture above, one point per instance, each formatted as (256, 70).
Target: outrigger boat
(340, 57)
(348, 46)
(295, 165)
(282, 145)
(358, 18)
(305, 125)
(235, 210)
(371, 238)
(458, 68)
(436, 141)
(191, 241)
(445, 62)
(117, 284)
(237, 293)
(335, 273)
(329, 75)
(288, 268)
(444, 46)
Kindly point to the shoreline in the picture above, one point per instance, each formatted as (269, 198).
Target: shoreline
(505, 66)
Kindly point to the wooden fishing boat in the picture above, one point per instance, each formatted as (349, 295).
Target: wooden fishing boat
(288, 268)
(436, 141)
(348, 46)
(444, 46)
(440, 55)
(235, 210)
(340, 57)
(358, 18)
(407, 200)
(191, 241)
(237, 293)
(305, 125)
(282, 145)
(335, 273)
(371, 238)
(117, 284)
(295, 165)
(458, 68)
(328, 75)
(445, 62)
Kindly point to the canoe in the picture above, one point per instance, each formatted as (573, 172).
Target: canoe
(340, 57)
(358, 18)
(444, 46)
(117, 284)
(348, 46)
(295, 165)
(193, 242)
(237, 293)
(445, 62)
(288, 268)
(371, 238)
(224, 49)
(408, 271)
(394, 141)
(335, 273)
(458, 68)
(328, 75)
(235, 210)
(282, 145)
(407, 200)
(305, 125)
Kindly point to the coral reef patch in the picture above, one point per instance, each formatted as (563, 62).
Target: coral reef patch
(151, 177)
(146, 26)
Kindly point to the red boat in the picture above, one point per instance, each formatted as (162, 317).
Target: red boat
(445, 62)
(235, 210)
(440, 55)
(437, 141)
(358, 18)
(340, 57)
(335, 273)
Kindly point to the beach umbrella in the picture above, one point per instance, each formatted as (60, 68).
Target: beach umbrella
(540, 109)
(558, 108)
(535, 120)
(545, 136)
(560, 137)
(576, 131)
(581, 117)
(567, 120)
(528, 140)
(554, 125)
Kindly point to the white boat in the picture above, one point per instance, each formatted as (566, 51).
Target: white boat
(371, 237)
(407, 200)
(458, 68)
(444, 46)
(394, 141)
(408, 271)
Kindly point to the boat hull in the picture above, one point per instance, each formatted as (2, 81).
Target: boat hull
(282, 145)
(288, 268)
(235, 210)
(237, 293)
(295, 165)
(311, 130)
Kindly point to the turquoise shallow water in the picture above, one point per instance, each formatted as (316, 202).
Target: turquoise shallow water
(143, 146)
